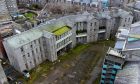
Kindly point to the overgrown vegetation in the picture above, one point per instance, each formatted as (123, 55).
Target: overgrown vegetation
(29, 6)
(61, 9)
(30, 16)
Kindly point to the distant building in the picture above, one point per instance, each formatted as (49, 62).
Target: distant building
(3, 78)
(84, 3)
(30, 2)
(4, 13)
(135, 9)
(8, 8)
(12, 7)
(120, 3)
(113, 61)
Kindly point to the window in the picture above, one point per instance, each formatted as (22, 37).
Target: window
(90, 24)
(33, 53)
(24, 58)
(40, 49)
(26, 66)
(125, 19)
(28, 54)
(36, 50)
(124, 25)
(129, 20)
(31, 46)
(21, 49)
(35, 41)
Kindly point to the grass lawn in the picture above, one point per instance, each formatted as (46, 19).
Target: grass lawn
(31, 16)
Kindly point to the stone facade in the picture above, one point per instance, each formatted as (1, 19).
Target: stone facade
(30, 48)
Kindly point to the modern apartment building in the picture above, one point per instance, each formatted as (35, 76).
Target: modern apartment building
(52, 38)
(113, 61)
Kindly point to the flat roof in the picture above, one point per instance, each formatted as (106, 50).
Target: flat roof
(122, 33)
(115, 52)
(133, 40)
(24, 38)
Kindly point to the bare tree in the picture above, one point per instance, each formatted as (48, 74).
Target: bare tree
(56, 9)
(73, 9)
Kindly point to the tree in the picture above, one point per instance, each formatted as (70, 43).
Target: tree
(56, 9)
(73, 9)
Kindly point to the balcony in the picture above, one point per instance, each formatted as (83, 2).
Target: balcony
(81, 35)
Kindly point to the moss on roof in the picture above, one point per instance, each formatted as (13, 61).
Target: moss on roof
(61, 30)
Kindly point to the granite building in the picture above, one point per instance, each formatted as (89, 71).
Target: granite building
(52, 38)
